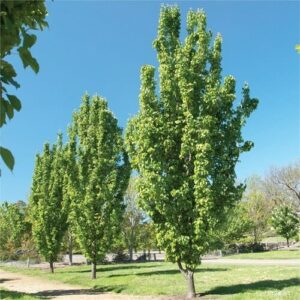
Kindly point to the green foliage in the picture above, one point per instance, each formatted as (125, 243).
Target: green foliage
(236, 227)
(48, 210)
(103, 174)
(13, 228)
(133, 217)
(17, 19)
(186, 142)
(285, 221)
(258, 208)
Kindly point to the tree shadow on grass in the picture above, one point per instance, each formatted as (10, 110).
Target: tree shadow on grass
(168, 272)
(4, 294)
(262, 285)
(95, 291)
(4, 280)
(112, 268)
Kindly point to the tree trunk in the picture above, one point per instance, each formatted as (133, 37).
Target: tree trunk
(70, 246)
(191, 285)
(51, 266)
(189, 276)
(288, 242)
(130, 252)
(94, 265)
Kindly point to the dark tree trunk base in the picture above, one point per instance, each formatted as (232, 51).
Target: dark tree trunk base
(94, 271)
(51, 267)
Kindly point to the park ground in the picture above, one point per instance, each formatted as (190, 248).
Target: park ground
(270, 275)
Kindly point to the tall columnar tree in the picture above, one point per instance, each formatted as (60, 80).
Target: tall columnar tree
(286, 222)
(186, 141)
(48, 210)
(103, 177)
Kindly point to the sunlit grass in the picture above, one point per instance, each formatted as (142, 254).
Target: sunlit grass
(158, 278)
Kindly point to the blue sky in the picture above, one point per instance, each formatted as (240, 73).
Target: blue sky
(99, 47)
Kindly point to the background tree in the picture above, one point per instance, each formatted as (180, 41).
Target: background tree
(258, 208)
(186, 142)
(48, 210)
(286, 222)
(133, 217)
(17, 19)
(103, 177)
(147, 237)
(13, 228)
(282, 185)
(236, 227)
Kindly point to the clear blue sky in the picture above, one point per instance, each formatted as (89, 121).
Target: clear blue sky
(99, 47)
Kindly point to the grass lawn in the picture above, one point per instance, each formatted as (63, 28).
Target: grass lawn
(4, 294)
(277, 254)
(159, 278)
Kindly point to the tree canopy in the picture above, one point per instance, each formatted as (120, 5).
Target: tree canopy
(18, 18)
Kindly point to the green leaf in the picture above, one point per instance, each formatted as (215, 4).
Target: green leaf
(8, 109)
(15, 102)
(2, 112)
(29, 40)
(7, 157)
(28, 60)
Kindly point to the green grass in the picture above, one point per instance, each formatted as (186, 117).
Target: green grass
(212, 281)
(4, 294)
(277, 254)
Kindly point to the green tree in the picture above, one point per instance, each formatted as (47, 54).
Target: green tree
(104, 173)
(186, 142)
(286, 222)
(258, 208)
(18, 18)
(13, 227)
(48, 210)
(133, 217)
(236, 226)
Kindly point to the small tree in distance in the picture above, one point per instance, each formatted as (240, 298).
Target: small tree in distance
(286, 222)
(185, 143)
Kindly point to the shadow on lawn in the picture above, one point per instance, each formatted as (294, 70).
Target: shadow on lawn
(262, 285)
(5, 279)
(95, 291)
(168, 272)
(15, 295)
(112, 268)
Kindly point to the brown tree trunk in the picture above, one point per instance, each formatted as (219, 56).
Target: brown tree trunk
(130, 252)
(94, 271)
(51, 266)
(191, 285)
(189, 276)
(70, 246)
(288, 242)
